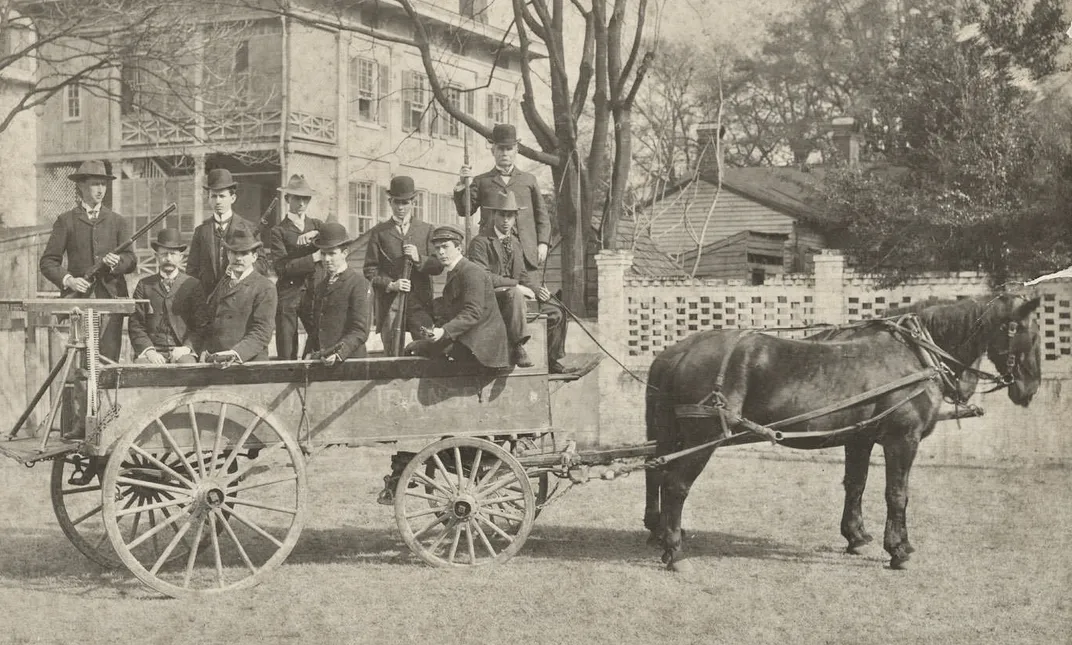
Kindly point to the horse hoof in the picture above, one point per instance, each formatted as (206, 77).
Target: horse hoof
(653, 540)
(679, 566)
(856, 547)
(908, 548)
(667, 558)
(899, 563)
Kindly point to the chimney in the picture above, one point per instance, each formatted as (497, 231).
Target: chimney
(847, 139)
(708, 134)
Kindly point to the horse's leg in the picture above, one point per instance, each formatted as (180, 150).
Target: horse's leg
(652, 504)
(678, 477)
(857, 461)
(900, 452)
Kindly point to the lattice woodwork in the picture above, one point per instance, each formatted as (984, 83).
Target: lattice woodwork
(311, 126)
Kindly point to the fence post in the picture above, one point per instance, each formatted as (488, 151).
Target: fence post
(829, 298)
(613, 332)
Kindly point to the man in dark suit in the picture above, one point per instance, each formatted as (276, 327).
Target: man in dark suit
(167, 329)
(472, 328)
(294, 258)
(498, 251)
(86, 234)
(390, 243)
(533, 224)
(242, 306)
(208, 257)
(336, 303)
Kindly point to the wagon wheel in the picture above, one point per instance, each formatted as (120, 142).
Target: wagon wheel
(479, 511)
(215, 478)
(540, 482)
(78, 510)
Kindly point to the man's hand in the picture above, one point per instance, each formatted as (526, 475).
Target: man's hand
(541, 252)
(307, 238)
(180, 351)
(225, 358)
(316, 256)
(543, 294)
(154, 357)
(411, 251)
(399, 285)
(111, 260)
(525, 291)
(330, 360)
(437, 333)
(81, 285)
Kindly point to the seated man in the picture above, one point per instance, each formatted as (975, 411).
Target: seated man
(336, 301)
(498, 251)
(472, 328)
(167, 330)
(242, 306)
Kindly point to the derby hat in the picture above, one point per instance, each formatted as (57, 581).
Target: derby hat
(504, 201)
(241, 240)
(503, 134)
(402, 187)
(297, 186)
(92, 168)
(219, 179)
(332, 234)
(447, 232)
(168, 238)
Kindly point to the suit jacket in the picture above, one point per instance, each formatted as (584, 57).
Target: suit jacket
(471, 314)
(85, 242)
(293, 264)
(207, 260)
(383, 264)
(242, 317)
(179, 313)
(339, 313)
(533, 222)
(487, 251)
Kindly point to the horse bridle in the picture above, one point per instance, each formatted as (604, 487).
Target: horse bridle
(1011, 328)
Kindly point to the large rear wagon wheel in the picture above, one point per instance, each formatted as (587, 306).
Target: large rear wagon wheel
(480, 510)
(79, 509)
(219, 480)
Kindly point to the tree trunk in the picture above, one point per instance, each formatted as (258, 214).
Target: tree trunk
(623, 150)
(571, 222)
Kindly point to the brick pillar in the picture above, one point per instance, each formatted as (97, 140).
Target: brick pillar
(613, 332)
(829, 297)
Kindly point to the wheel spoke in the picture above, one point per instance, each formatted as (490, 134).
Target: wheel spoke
(153, 485)
(469, 544)
(436, 522)
(413, 492)
(164, 467)
(431, 482)
(172, 544)
(193, 551)
(241, 472)
(241, 442)
(252, 525)
(454, 542)
(197, 439)
(503, 500)
(487, 476)
(250, 485)
(498, 484)
(504, 515)
(446, 474)
(82, 489)
(506, 536)
(475, 469)
(439, 540)
(483, 538)
(149, 507)
(86, 516)
(427, 511)
(156, 528)
(216, 558)
(267, 507)
(217, 443)
(234, 538)
(458, 467)
(174, 447)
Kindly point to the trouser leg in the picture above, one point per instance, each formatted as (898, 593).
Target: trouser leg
(286, 326)
(556, 330)
(512, 307)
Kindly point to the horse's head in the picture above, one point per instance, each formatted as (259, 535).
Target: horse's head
(1015, 348)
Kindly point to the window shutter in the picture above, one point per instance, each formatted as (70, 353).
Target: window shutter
(384, 79)
(489, 112)
(352, 87)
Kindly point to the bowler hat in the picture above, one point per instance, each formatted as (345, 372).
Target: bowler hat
(168, 238)
(402, 187)
(297, 186)
(92, 168)
(219, 179)
(504, 134)
(503, 201)
(241, 240)
(447, 232)
(332, 234)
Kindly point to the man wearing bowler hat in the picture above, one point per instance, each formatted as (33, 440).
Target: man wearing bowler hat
(533, 222)
(208, 256)
(167, 329)
(86, 234)
(242, 306)
(390, 243)
(336, 302)
(293, 256)
(471, 326)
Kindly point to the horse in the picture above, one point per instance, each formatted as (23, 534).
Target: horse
(873, 382)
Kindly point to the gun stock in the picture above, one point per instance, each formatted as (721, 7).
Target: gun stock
(265, 222)
(396, 315)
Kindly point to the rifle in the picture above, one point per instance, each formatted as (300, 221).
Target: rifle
(100, 267)
(396, 315)
(468, 191)
(266, 223)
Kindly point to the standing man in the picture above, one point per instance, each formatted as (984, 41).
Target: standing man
(242, 306)
(472, 328)
(498, 251)
(389, 244)
(336, 303)
(533, 224)
(87, 234)
(208, 255)
(167, 329)
(294, 259)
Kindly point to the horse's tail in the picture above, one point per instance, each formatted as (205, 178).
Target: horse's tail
(660, 426)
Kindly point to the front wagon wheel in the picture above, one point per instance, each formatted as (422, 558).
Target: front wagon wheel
(218, 480)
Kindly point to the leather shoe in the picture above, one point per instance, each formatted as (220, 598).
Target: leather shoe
(554, 367)
(521, 357)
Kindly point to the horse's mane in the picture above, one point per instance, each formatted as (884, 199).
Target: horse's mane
(956, 324)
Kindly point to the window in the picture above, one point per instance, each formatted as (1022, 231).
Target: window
(129, 81)
(73, 102)
(475, 9)
(420, 202)
(361, 207)
(498, 109)
(414, 103)
(448, 125)
(363, 74)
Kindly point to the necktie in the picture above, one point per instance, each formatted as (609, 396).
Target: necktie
(508, 255)
(220, 228)
(333, 278)
(92, 215)
(168, 284)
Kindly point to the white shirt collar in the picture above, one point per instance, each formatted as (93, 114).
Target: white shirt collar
(91, 211)
(299, 220)
(223, 219)
(450, 267)
(244, 275)
(506, 171)
(170, 276)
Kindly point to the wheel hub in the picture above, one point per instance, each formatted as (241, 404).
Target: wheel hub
(463, 507)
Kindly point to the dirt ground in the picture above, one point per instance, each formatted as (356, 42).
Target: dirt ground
(992, 566)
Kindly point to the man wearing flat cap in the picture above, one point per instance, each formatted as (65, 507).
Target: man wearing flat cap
(293, 256)
(86, 234)
(391, 244)
(472, 328)
(208, 256)
(533, 222)
(168, 328)
(242, 306)
(336, 302)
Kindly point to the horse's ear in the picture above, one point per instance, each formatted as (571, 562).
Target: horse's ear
(1027, 308)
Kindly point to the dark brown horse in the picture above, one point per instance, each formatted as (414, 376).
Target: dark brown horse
(766, 380)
